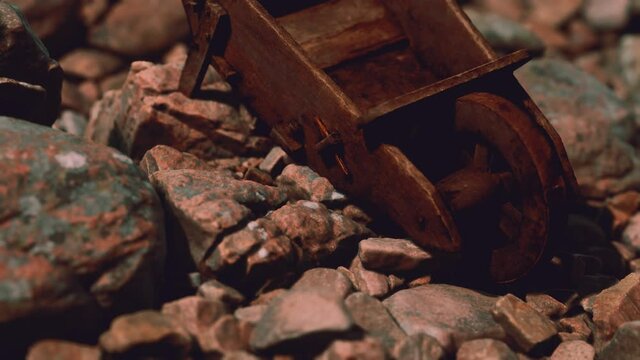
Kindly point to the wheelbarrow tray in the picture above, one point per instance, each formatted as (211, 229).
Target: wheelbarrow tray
(365, 92)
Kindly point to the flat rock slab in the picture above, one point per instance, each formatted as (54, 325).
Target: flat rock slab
(616, 305)
(391, 255)
(526, 326)
(448, 313)
(574, 350)
(146, 333)
(300, 320)
(370, 315)
(485, 349)
(82, 230)
(326, 281)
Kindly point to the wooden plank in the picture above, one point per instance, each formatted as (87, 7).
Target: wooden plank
(379, 77)
(507, 64)
(276, 78)
(441, 35)
(339, 30)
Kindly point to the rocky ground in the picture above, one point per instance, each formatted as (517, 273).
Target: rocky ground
(158, 226)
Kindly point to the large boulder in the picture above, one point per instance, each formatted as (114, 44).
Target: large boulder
(81, 236)
(24, 59)
(595, 125)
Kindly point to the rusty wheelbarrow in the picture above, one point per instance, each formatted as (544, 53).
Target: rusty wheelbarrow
(401, 103)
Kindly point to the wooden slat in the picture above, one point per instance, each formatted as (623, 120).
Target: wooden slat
(379, 77)
(339, 30)
(506, 63)
(441, 35)
(276, 78)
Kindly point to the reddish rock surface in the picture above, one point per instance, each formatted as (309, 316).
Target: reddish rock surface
(82, 231)
(448, 313)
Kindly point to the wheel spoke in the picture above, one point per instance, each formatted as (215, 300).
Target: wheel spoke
(510, 220)
(481, 157)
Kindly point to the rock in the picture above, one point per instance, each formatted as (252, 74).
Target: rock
(251, 314)
(226, 335)
(504, 34)
(616, 305)
(49, 17)
(419, 347)
(481, 349)
(325, 281)
(146, 334)
(365, 349)
(253, 256)
(553, 12)
(24, 58)
(71, 122)
(593, 123)
(574, 350)
(239, 355)
(528, 328)
(208, 203)
(259, 176)
(163, 157)
(625, 252)
(214, 290)
(356, 214)
(579, 325)
(93, 10)
(369, 282)
(148, 103)
(300, 320)
(82, 233)
(195, 314)
(450, 314)
(275, 161)
(581, 38)
(177, 53)
(512, 9)
(74, 99)
(607, 15)
(629, 57)
(631, 233)
(308, 183)
(323, 235)
(625, 344)
(90, 64)
(207, 321)
(101, 128)
(392, 255)
(113, 82)
(62, 350)
(546, 305)
(371, 316)
(552, 38)
(135, 28)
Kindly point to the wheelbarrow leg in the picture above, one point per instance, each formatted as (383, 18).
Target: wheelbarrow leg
(204, 19)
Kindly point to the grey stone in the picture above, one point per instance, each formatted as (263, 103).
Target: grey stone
(450, 314)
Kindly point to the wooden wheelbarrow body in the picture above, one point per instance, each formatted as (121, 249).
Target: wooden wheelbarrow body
(401, 103)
